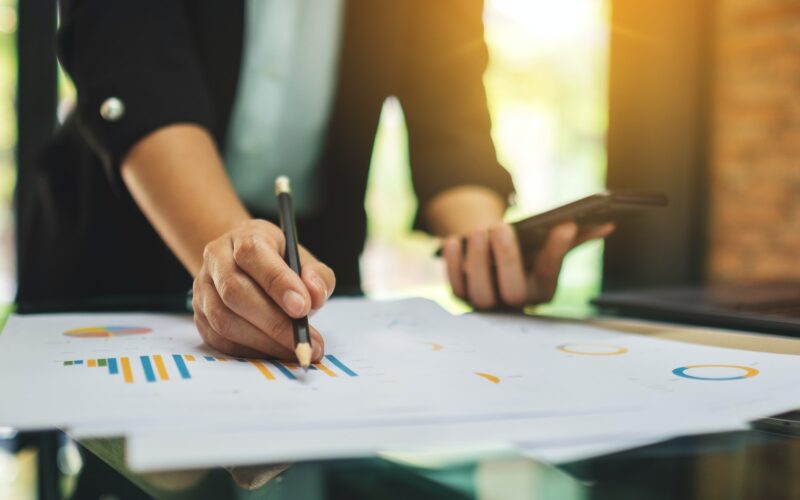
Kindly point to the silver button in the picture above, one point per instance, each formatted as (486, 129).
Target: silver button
(112, 109)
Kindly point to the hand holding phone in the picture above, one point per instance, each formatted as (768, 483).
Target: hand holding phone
(595, 210)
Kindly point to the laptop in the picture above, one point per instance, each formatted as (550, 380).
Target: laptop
(760, 307)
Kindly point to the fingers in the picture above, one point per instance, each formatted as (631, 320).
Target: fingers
(477, 267)
(594, 232)
(219, 343)
(511, 280)
(473, 276)
(318, 278)
(224, 330)
(317, 345)
(547, 265)
(452, 251)
(275, 340)
(257, 251)
(245, 294)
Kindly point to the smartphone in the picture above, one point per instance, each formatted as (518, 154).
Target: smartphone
(594, 210)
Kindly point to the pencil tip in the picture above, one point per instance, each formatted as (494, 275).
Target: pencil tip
(303, 353)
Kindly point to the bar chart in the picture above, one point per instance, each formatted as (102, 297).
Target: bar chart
(154, 368)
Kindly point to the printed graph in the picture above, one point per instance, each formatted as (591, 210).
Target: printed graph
(715, 372)
(89, 332)
(592, 349)
(163, 368)
(488, 376)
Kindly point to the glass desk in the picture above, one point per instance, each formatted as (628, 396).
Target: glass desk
(742, 465)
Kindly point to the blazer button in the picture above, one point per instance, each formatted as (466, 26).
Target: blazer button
(112, 109)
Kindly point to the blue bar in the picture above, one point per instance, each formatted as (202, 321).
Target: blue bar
(209, 358)
(113, 369)
(241, 360)
(341, 365)
(78, 362)
(148, 368)
(283, 370)
(184, 371)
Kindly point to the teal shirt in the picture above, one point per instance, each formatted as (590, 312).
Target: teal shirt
(283, 102)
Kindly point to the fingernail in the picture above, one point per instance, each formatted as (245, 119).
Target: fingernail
(320, 285)
(294, 302)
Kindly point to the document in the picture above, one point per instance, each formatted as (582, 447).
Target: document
(402, 375)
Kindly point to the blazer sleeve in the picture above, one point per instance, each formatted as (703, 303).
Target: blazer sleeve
(443, 57)
(140, 53)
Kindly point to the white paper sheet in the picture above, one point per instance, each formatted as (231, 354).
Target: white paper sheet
(400, 375)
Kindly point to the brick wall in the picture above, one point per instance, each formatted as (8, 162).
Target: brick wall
(755, 142)
(755, 171)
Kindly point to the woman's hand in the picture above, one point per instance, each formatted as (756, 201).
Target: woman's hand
(493, 272)
(245, 295)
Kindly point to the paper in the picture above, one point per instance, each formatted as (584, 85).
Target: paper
(397, 376)
(383, 365)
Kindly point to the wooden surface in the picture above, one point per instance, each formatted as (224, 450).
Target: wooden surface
(706, 336)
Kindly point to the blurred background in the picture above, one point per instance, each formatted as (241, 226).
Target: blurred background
(547, 95)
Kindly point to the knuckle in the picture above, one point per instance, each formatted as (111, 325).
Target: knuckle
(276, 278)
(274, 325)
(208, 252)
(245, 249)
(219, 319)
(196, 304)
(231, 289)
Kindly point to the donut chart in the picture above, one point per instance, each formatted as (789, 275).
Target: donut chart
(106, 331)
(737, 372)
(593, 349)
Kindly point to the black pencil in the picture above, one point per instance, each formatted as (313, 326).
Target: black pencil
(302, 335)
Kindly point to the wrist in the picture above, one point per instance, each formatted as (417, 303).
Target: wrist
(463, 209)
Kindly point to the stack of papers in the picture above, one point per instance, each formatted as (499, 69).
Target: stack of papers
(401, 376)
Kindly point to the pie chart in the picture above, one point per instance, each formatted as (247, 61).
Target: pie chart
(106, 331)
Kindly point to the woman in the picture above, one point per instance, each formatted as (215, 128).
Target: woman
(187, 110)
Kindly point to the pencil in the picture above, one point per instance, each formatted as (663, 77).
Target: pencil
(302, 336)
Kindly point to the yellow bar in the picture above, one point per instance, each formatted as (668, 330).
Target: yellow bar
(160, 368)
(290, 365)
(263, 369)
(324, 369)
(127, 374)
(220, 358)
(92, 363)
(488, 376)
(188, 357)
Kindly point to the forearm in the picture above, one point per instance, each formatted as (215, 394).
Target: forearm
(461, 210)
(178, 180)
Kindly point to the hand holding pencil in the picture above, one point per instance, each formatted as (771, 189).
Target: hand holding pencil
(246, 295)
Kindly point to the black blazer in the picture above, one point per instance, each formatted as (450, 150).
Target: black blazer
(177, 61)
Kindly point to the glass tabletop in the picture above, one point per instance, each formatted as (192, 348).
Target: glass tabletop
(748, 464)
